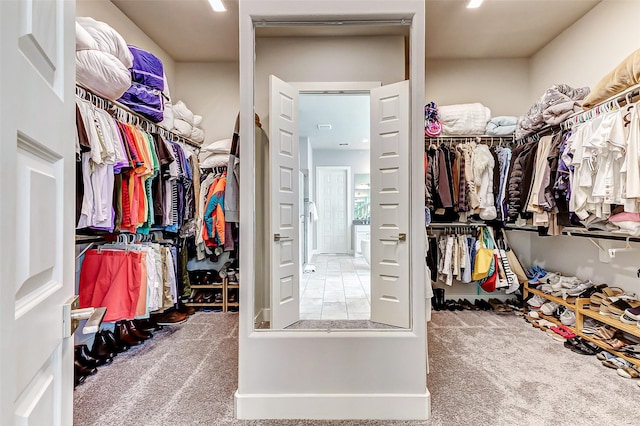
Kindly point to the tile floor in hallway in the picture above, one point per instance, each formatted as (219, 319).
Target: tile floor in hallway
(339, 289)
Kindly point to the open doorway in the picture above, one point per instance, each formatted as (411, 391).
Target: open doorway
(334, 139)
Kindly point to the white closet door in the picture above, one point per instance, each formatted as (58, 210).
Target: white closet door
(390, 204)
(37, 211)
(285, 167)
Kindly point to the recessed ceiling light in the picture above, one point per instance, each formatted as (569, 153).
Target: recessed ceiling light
(473, 4)
(217, 5)
(324, 127)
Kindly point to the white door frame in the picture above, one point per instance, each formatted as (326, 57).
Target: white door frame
(348, 207)
(343, 87)
(390, 383)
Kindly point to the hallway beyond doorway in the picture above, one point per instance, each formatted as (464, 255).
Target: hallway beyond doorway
(339, 289)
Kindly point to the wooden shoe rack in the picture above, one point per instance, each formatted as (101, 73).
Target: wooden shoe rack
(223, 287)
(581, 309)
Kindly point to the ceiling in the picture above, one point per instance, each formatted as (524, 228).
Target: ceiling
(348, 115)
(189, 31)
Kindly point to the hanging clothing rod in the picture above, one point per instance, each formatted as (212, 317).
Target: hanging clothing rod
(341, 22)
(580, 232)
(428, 140)
(117, 109)
(619, 100)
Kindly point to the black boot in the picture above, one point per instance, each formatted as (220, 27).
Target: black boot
(439, 295)
(101, 347)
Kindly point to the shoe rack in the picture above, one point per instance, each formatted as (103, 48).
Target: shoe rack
(225, 289)
(231, 296)
(580, 307)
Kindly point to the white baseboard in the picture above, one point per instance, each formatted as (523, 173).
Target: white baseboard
(333, 406)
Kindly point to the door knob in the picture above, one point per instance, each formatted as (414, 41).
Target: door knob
(276, 237)
(72, 315)
(402, 236)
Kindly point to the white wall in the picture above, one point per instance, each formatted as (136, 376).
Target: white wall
(326, 59)
(500, 84)
(211, 90)
(589, 49)
(105, 11)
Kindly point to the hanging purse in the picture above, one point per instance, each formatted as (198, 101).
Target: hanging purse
(489, 284)
(514, 263)
(484, 260)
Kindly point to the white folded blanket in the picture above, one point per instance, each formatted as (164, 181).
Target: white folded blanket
(213, 160)
(464, 119)
(501, 126)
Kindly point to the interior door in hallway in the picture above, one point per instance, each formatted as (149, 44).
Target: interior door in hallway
(390, 206)
(37, 189)
(333, 229)
(285, 222)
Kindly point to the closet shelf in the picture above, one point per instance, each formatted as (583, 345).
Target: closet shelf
(110, 106)
(606, 319)
(581, 310)
(599, 343)
(579, 232)
(195, 304)
(556, 321)
(202, 286)
(558, 300)
(233, 286)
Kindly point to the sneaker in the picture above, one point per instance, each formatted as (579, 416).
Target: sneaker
(536, 301)
(626, 319)
(568, 317)
(580, 288)
(549, 308)
(633, 313)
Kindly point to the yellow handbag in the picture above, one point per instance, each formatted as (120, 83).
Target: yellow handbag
(484, 259)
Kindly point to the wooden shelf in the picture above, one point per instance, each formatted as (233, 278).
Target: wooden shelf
(195, 305)
(558, 300)
(208, 286)
(556, 321)
(581, 309)
(606, 319)
(599, 343)
(233, 286)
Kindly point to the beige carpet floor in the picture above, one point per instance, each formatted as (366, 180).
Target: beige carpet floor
(486, 369)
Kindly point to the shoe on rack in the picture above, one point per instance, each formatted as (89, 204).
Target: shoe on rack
(171, 318)
(626, 319)
(536, 301)
(218, 298)
(232, 298)
(549, 308)
(580, 288)
(568, 317)
(633, 313)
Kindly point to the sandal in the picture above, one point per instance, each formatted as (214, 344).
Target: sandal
(498, 306)
(615, 344)
(564, 331)
(629, 372)
(604, 333)
(616, 363)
